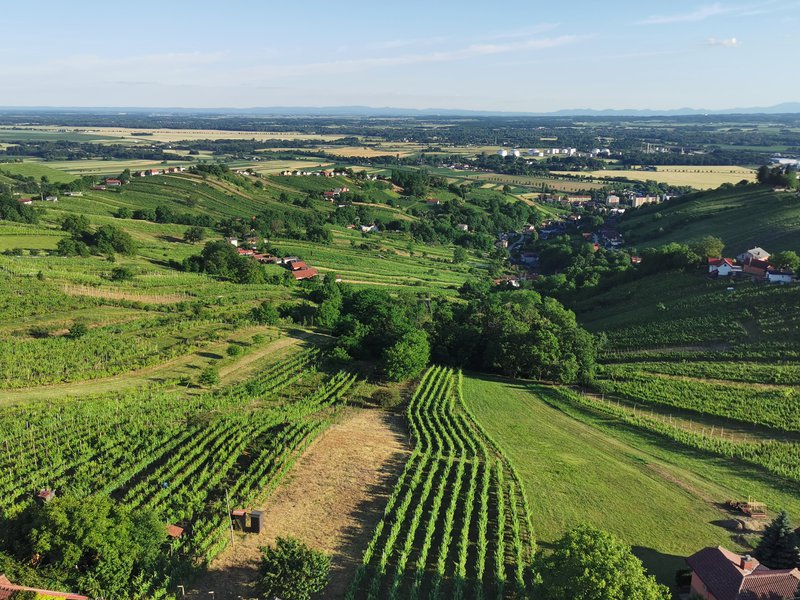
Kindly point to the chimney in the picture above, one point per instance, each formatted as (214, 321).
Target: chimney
(748, 563)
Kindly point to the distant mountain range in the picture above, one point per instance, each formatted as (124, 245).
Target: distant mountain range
(369, 111)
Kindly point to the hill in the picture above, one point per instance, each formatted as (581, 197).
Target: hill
(742, 216)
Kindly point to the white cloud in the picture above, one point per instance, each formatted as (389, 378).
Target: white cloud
(726, 43)
(700, 14)
(359, 64)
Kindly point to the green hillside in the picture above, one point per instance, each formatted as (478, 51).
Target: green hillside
(742, 216)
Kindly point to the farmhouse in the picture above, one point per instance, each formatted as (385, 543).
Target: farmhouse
(300, 270)
(775, 276)
(9, 590)
(756, 268)
(719, 574)
(722, 267)
(753, 254)
(113, 182)
(25, 200)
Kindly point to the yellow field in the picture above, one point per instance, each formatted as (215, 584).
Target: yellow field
(173, 135)
(701, 178)
(276, 166)
(368, 152)
(106, 167)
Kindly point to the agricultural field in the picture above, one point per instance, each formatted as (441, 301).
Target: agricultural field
(581, 463)
(37, 170)
(457, 524)
(701, 178)
(727, 214)
(159, 450)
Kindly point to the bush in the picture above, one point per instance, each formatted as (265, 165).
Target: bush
(386, 397)
(78, 330)
(209, 376)
(121, 274)
(290, 570)
(233, 350)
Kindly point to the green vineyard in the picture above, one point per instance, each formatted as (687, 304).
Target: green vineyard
(457, 523)
(184, 458)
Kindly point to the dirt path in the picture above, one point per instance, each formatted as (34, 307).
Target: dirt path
(332, 501)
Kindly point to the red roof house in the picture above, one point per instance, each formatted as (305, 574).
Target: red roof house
(25, 200)
(8, 589)
(719, 574)
(757, 268)
(306, 273)
(113, 182)
(297, 265)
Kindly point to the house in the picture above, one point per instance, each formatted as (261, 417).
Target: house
(756, 268)
(723, 267)
(74, 194)
(719, 574)
(113, 182)
(297, 265)
(507, 280)
(233, 241)
(98, 187)
(637, 201)
(9, 590)
(51, 198)
(306, 273)
(433, 202)
(612, 199)
(25, 200)
(636, 260)
(753, 254)
(775, 276)
(578, 200)
(369, 229)
(462, 227)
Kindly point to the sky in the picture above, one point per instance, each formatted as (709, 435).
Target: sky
(526, 56)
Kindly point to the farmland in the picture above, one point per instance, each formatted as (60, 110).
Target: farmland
(177, 375)
(457, 511)
(701, 178)
(725, 213)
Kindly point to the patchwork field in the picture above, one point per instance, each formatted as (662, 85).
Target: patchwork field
(701, 178)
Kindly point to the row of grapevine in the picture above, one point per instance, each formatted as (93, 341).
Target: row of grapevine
(457, 514)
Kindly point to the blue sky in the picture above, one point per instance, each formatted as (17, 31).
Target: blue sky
(510, 55)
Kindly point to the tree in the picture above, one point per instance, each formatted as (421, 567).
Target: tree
(75, 225)
(778, 546)
(708, 246)
(459, 254)
(290, 570)
(265, 313)
(123, 213)
(408, 357)
(787, 259)
(590, 564)
(95, 545)
(194, 234)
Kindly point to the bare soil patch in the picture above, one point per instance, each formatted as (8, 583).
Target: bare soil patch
(332, 501)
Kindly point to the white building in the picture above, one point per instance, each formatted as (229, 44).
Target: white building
(753, 254)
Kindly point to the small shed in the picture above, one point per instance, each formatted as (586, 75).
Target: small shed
(46, 495)
(174, 531)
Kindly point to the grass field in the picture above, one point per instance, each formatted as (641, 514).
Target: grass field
(658, 497)
(37, 170)
(701, 178)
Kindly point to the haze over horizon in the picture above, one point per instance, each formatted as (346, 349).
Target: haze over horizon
(523, 58)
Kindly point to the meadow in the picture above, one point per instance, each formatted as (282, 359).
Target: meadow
(655, 493)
